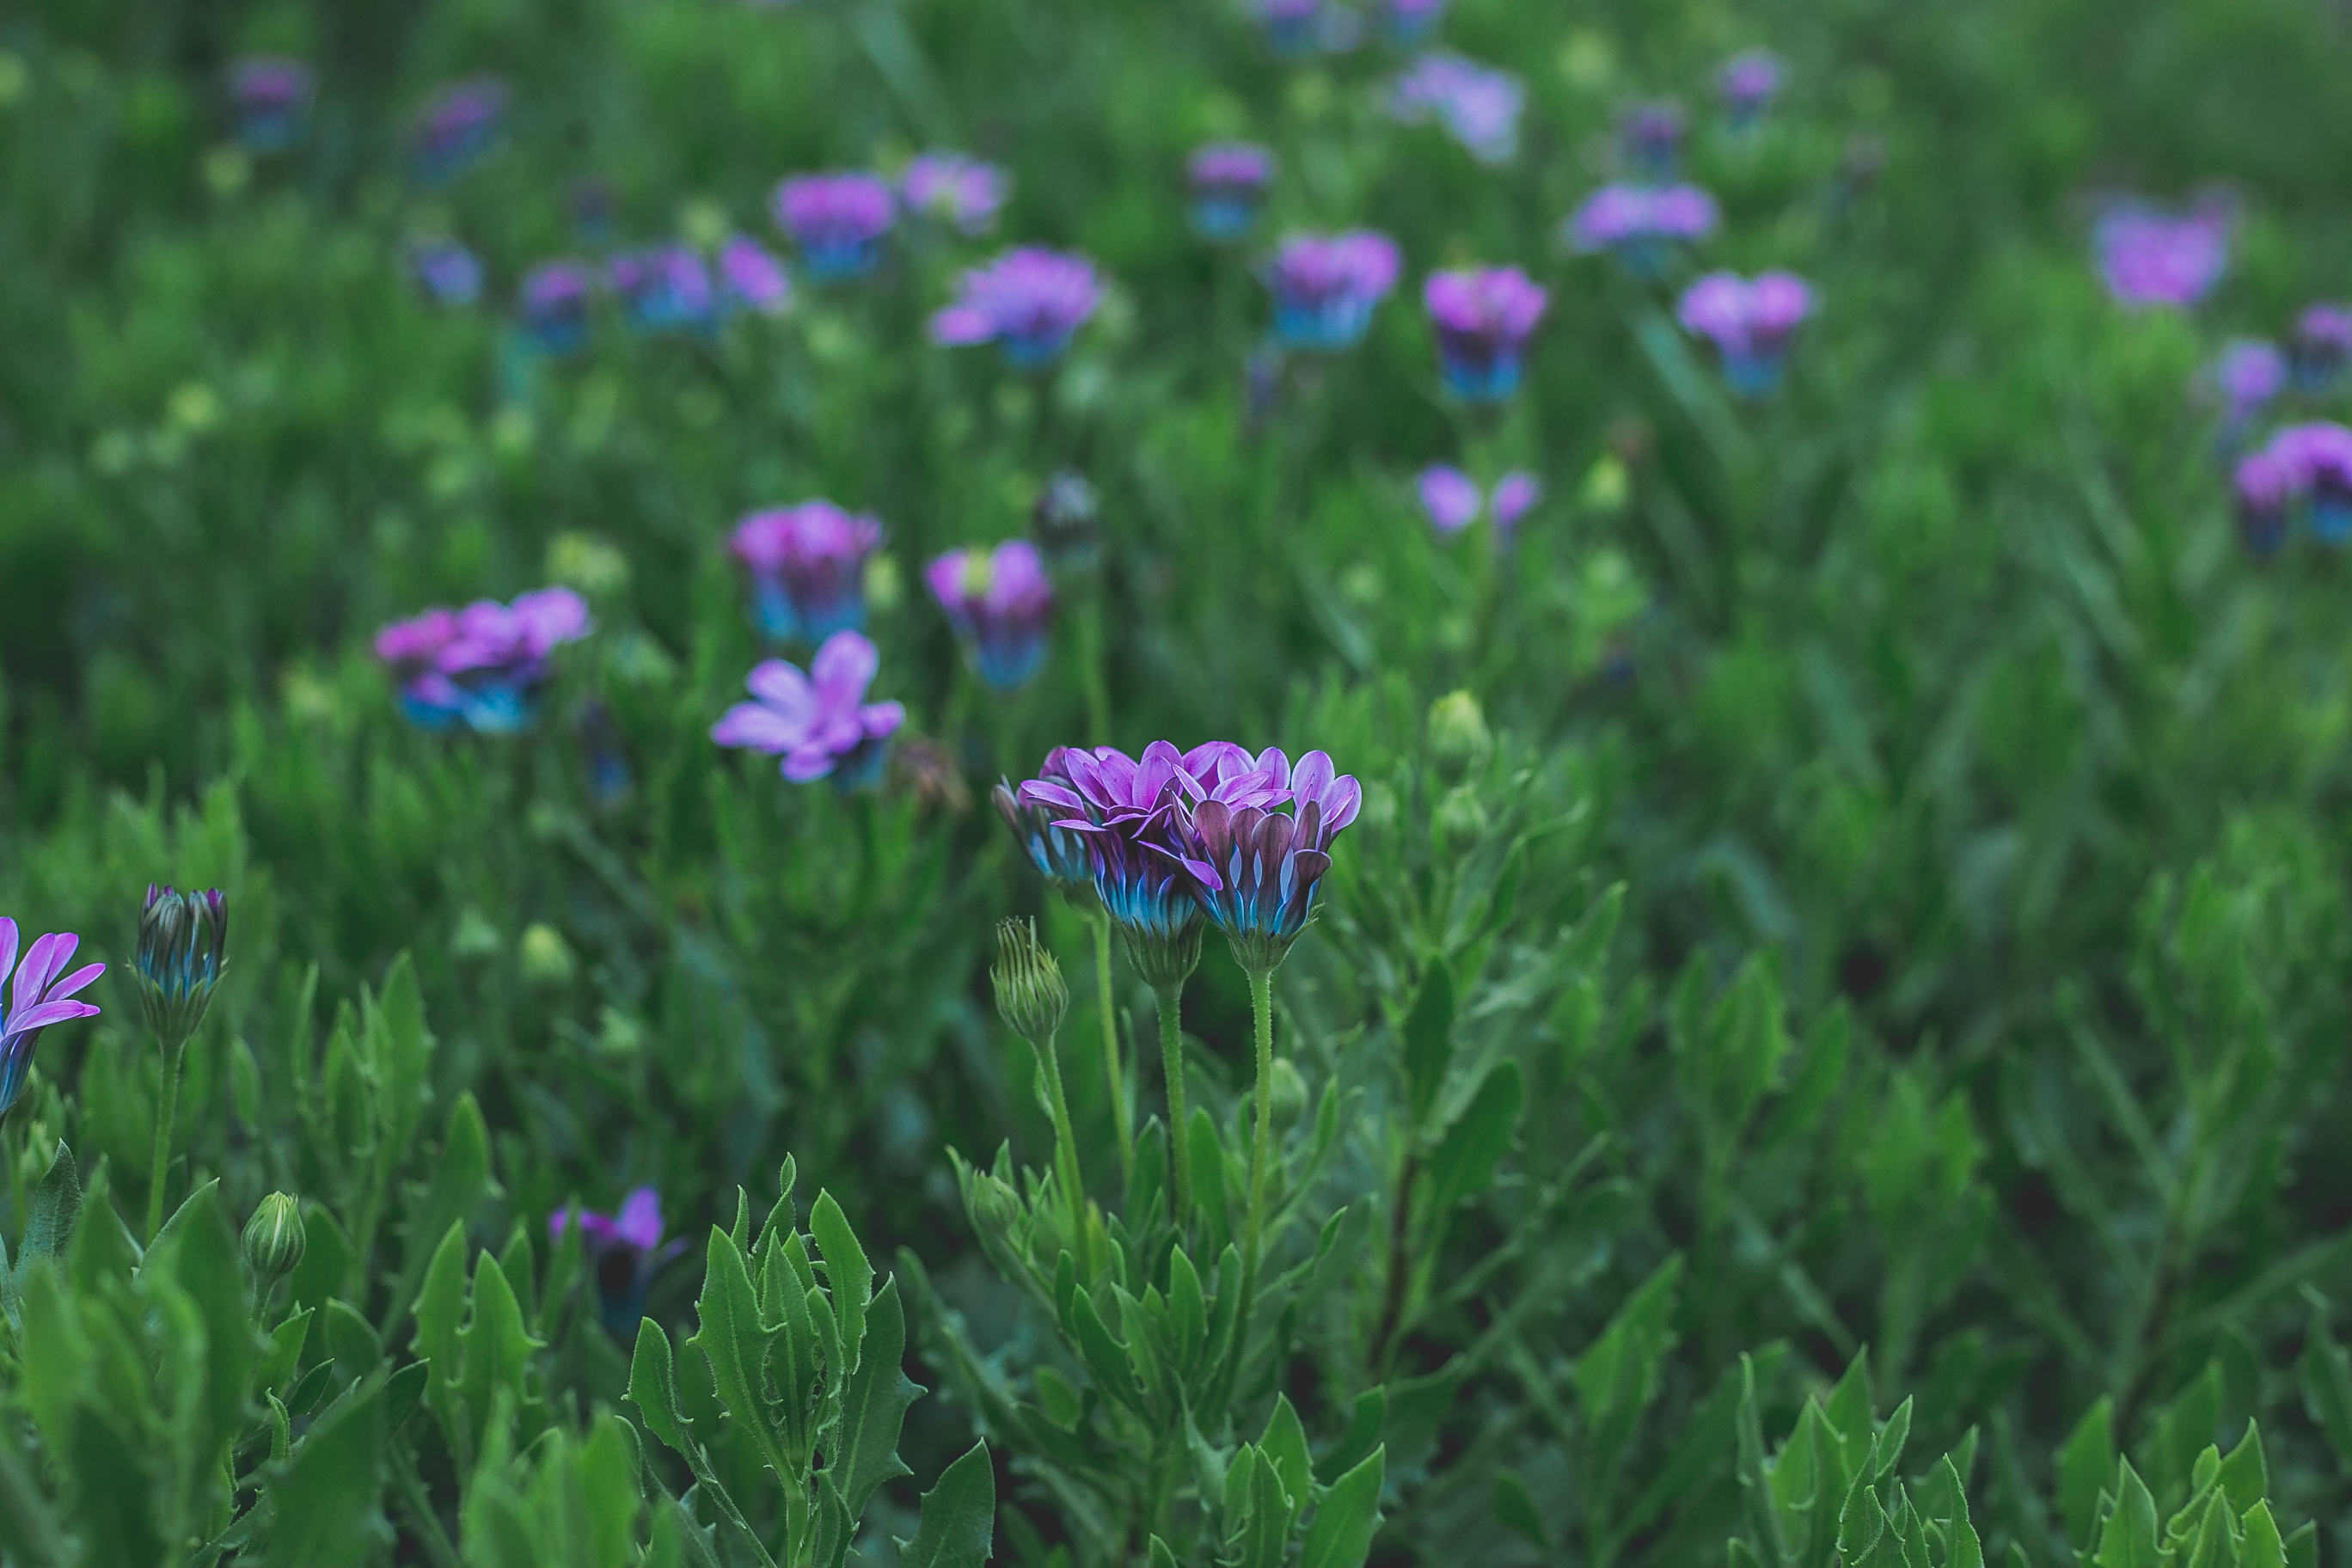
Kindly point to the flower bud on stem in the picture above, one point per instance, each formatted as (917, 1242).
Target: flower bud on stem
(1034, 1001)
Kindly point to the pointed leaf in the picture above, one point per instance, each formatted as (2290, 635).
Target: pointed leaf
(873, 1407)
(959, 1520)
(1347, 1518)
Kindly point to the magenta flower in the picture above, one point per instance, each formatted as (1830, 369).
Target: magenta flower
(482, 666)
(37, 997)
(819, 724)
(271, 96)
(1478, 106)
(838, 220)
(663, 289)
(1325, 286)
(1452, 500)
(624, 1250)
(2242, 380)
(1228, 180)
(957, 190)
(1749, 323)
(1482, 317)
(1640, 223)
(998, 601)
(2147, 256)
(751, 277)
(1749, 82)
(2322, 346)
(808, 565)
(1266, 863)
(2266, 486)
(2319, 457)
(1649, 140)
(456, 128)
(1028, 301)
(555, 304)
(446, 272)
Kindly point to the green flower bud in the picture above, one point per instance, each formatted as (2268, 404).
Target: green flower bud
(1289, 1095)
(995, 1209)
(1030, 992)
(546, 957)
(1459, 740)
(274, 1240)
(1460, 819)
(181, 939)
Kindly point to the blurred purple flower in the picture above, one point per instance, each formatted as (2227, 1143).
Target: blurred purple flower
(1640, 223)
(1749, 323)
(555, 304)
(1408, 22)
(625, 1252)
(2242, 380)
(2266, 487)
(1749, 82)
(1028, 301)
(1650, 140)
(2149, 255)
(1325, 286)
(957, 190)
(751, 277)
(37, 997)
(806, 565)
(456, 126)
(1482, 317)
(665, 288)
(838, 220)
(1479, 106)
(1228, 180)
(446, 272)
(2318, 457)
(1452, 502)
(998, 602)
(819, 724)
(482, 666)
(271, 96)
(2322, 346)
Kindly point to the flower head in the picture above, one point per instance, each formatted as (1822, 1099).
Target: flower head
(1325, 286)
(1059, 854)
(37, 997)
(1028, 301)
(2267, 485)
(1228, 181)
(663, 289)
(1750, 321)
(961, 191)
(2319, 457)
(1482, 317)
(1640, 224)
(2149, 255)
(271, 95)
(2322, 346)
(998, 601)
(1031, 995)
(806, 563)
(482, 666)
(750, 277)
(626, 1250)
(182, 937)
(819, 724)
(456, 126)
(1452, 500)
(1408, 22)
(1749, 82)
(446, 272)
(2242, 380)
(553, 300)
(1650, 138)
(1267, 862)
(838, 220)
(1478, 106)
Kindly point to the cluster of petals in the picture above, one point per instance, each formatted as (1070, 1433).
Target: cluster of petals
(40, 995)
(445, 272)
(2149, 255)
(838, 220)
(2302, 463)
(627, 1248)
(818, 723)
(806, 565)
(1650, 138)
(1228, 181)
(1478, 106)
(998, 601)
(1325, 286)
(750, 276)
(2243, 379)
(1638, 221)
(664, 288)
(1749, 320)
(480, 665)
(1028, 301)
(1452, 500)
(1483, 316)
(1749, 81)
(964, 192)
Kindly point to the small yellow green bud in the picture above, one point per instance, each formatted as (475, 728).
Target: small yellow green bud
(1288, 1095)
(274, 1239)
(1459, 740)
(545, 956)
(1030, 992)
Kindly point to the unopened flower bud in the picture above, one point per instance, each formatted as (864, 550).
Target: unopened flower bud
(1459, 740)
(274, 1240)
(545, 956)
(181, 940)
(1030, 992)
(1460, 818)
(995, 1207)
(1288, 1095)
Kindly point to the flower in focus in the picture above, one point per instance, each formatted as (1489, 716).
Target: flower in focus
(1478, 106)
(1750, 321)
(838, 220)
(1650, 140)
(37, 997)
(446, 272)
(2242, 380)
(1325, 286)
(182, 937)
(961, 191)
(2149, 255)
(2322, 346)
(1059, 854)
(1267, 862)
(1482, 317)
(1408, 22)
(819, 724)
(750, 277)
(1749, 82)
(1029, 303)
(1452, 500)
(271, 96)
(1228, 181)
(553, 300)
(2265, 485)
(998, 601)
(1642, 224)
(456, 128)
(626, 1250)
(806, 563)
(663, 289)
(483, 666)
(1064, 522)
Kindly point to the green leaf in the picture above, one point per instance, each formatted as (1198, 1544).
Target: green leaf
(1617, 1375)
(2303, 1546)
(1265, 1528)
(1887, 1452)
(2262, 1547)
(1429, 1040)
(1285, 1445)
(873, 1407)
(2084, 1463)
(1515, 1507)
(404, 1060)
(1361, 1435)
(2326, 1375)
(1104, 1356)
(352, 1339)
(284, 1353)
(847, 1272)
(607, 1470)
(1159, 1556)
(653, 1388)
(1347, 1517)
(732, 1340)
(325, 1500)
(461, 1185)
(2245, 1474)
(1463, 1164)
(30, 1532)
(495, 1347)
(56, 1209)
(959, 1518)
(2130, 1538)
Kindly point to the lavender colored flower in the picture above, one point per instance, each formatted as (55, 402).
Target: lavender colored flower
(1650, 140)
(1478, 106)
(179, 959)
(2149, 255)
(554, 306)
(1641, 224)
(2242, 380)
(750, 277)
(1060, 854)
(998, 601)
(624, 1250)
(1453, 503)
(838, 220)
(1029, 303)
(1267, 863)
(1408, 22)
(456, 128)
(1749, 83)
(1325, 286)
(806, 565)
(37, 997)
(1228, 180)
(957, 190)
(2266, 486)
(2322, 346)
(663, 289)
(1749, 323)
(1482, 317)
(483, 666)
(819, 724)
(271, 96)
(446, 272)
(1296, 28)
(2319, 456)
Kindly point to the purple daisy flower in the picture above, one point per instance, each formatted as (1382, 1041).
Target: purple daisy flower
(554, 305)
(1642, 224)
(446, 272)
(1266, 863)
(2322, 346)
(624, 1250)
(1452, 500)
(1749, 323)
(1059, 854)
(2319, 457)
(998, 601)
(663, 289)
(1408, 22)
(482, 666)
(1749, 82)
(1029, 303)
(957, 190)
(2242, 380)
(1325, 286)
(808, 565)
(2266, 486)
(819, 724)
(1650, 140)
(456, 128)
(1482, 317)
(838, 220)
(751, 277)
(2149, 255)
(37, 997)
(271, 96)
(1228, 181)
(1478, 106)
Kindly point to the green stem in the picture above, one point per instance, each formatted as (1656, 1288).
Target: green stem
(169, 1112)
(427, 1520)
(1065, 1149)
(1262, 1139)
(1171, 1063)
(1121, 1113)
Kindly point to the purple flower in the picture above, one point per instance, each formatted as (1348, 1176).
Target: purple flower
(2319, 457)
(1325, 286)
(1299, 27)
(1266, 863)
(1228, 181)
(998, 602)
(807, 564)
(1059, 854)
(456, 128)
(1749, 323)
(624, 1250)
(957, 190)
(2242, 379)
(1482, 317)
(37, 997)
(1648, 138)
(838, 220)
(1640, 224)
(481, 666)
(2149, 255)
(1408, 22)
(663, 289)
(446, 272)
(2322, 346)
(555, 304)
(1480, 107)
(1452, 502)
(1749, 82)
(271, 95)
(2266, 486)
(751, 277)
(1028, 301)
(819, 724)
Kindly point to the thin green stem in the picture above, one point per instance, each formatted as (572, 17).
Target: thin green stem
(168, 1112)
(1262, 1138)
(1171, 1063)
(1065, 1148)
(1122, 1113)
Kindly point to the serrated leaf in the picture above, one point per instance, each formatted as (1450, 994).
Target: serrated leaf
(2130, 1538)
(732, 1340)
(2084, 1463)
(959, 1520)
(56, 1209)
(1347, 1517)
(1261, 1535)
(874, 1407)
(461, 1185)
(847, 1270)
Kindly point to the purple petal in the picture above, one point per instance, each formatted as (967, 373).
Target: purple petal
(75, 980)
(783, 687)
(842, 669)
(48, 1012)
(8, 946)
(808, 764)
(880, 719)
(639, 1223)
(758, 729)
